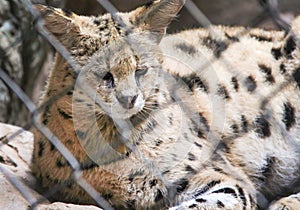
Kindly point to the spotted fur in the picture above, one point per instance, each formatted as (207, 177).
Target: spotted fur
(209, 126)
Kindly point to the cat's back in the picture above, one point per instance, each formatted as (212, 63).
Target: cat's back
(246, 82)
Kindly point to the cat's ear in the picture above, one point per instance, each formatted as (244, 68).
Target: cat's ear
(60, 23)
(156, 16)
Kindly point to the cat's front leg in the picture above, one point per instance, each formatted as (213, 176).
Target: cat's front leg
(291, 202)
(216, 191)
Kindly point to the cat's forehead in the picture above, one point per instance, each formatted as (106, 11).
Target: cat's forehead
(117, 57)
(124, 66)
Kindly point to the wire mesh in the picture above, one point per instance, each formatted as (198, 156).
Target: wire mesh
(271, 7)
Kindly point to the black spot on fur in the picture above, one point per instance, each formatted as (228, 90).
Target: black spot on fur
(193, 81)
(276, 52)
(97, 22)
(289, 47)
(232, 38)
(200, 200)
(261, 38)
(156, 90)
(153, 183)
(46, 115)
(69, 93)
(207, 187)
(127, 154)
(67, 12)
(79, 100)
(245, 123)
(41, 147)
(218, 47)
(191, 156)
(192, 206)
(159, 196)
(69, 142)
(187, 48)
(235, 83)
(200, 134)
(165, 172)
(220, 204)
(252, 201)
(182, 185)
(155, 104)
(104, 24)
(66, 76)
(189, 169)
(149, 4)
(89, 105)
(158, 142)
(204, 122)
(64, 114)
(268, 72)
(197, 144)
(234, 128)
(250, 84)
(45, 121)
(262, 127)
(289, 118)
(60, 163)
(222, 91)
(242, 195)
(134, 174)
(219, 170)
(88, 164)
(226, 190)
(170, 119)
(296, 76)
(282, 68)
(52, 147)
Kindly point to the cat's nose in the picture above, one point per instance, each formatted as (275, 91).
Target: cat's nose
(127, 102)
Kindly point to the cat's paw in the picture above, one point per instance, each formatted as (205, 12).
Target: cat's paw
(291, 202)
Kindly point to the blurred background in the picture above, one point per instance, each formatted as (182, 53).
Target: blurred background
(27, 58)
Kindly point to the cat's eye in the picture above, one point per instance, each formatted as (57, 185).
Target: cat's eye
(141, 71)
(109, 80)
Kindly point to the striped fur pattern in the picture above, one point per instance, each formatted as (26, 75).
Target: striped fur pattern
(214, 114)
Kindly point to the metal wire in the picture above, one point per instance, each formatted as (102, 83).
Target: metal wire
(199, 16)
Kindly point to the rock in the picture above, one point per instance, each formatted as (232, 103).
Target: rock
(16, 147)
(16, 179)
(63, 206)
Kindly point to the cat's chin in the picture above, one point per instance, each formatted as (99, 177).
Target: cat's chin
(125, 114)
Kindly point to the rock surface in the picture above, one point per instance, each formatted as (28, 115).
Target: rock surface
(16, 180)
(63, 206)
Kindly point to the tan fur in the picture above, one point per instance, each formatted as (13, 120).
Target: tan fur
(211, 118)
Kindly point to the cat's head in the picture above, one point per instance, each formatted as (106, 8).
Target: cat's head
(119, 51)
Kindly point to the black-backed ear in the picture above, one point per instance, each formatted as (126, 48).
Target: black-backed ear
(60, 23)
(156, 16)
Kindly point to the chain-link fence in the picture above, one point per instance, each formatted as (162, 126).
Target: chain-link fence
(269, 9)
